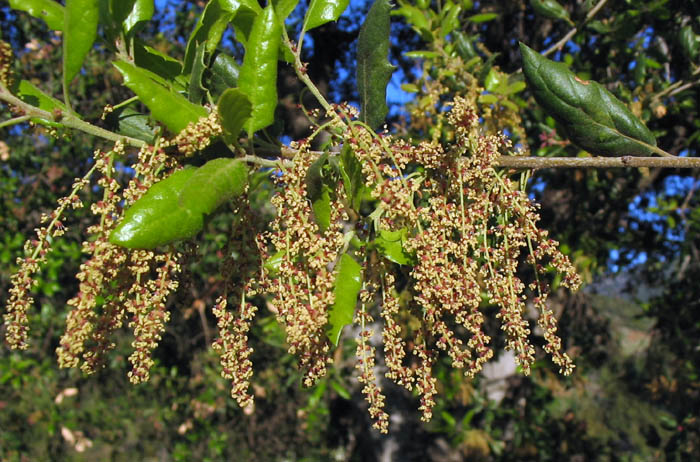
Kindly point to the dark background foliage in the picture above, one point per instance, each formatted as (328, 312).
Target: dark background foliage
(633, 233)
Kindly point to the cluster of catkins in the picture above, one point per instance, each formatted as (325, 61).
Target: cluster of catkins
(464, 224)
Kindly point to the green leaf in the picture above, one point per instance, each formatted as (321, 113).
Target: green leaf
(450, 19)
(284, 8)
(209, 29)
(213, 184)
(156, 218)
(234, 111)
(48, 10)
(373, 68)
(196, 90)
(322, 11)
(157, 62)
(348, 282)
(168, 107)
(224, 73)
(483, 17)
(551, 9)
(421, 54)
(79, 32)
(243, 22)
(690, 43)
(258, 76)
(416, 17)
(353, 179)
(319, 191)
(272, 264)
(390, 244)
(132, 123)
(591, 116)
(31, 94)
(175, 208)
(142, 11)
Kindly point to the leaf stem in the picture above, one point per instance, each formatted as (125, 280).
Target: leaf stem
(14, 121)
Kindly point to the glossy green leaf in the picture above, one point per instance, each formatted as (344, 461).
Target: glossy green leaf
(209, 29)
(348, 282)
(156, 218)
(213, 184)
(258, 76)
(373, 67)
(141, 11)
(176, 207)
(551, 9)
(322, 11)
(234, 111)
(390, 244)
(591, 116)
(284, 8)
(48, 10)
(79, 32)
(166, 106)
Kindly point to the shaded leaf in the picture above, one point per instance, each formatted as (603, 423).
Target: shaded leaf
(157, 62)
(353, 179)
(319, 192)
(373, 67)
(166, 106)
(348, 282)
(390, 244)
(258, 76)
(79, 32)
(31, 94)
(196, 90)
(592, 117)
(322, 11)
(49, 11)
(209, 29)
(234, 111)
(224, 73)
(132, 123)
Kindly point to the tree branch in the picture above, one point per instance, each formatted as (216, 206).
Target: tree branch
(67, 120)
(597, 162)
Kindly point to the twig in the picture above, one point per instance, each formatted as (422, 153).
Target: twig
(66, 119)
(573, 31)
(597, 162)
